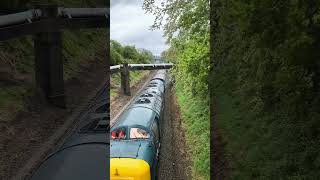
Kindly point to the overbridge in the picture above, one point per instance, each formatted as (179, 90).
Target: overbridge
(125, 69)
(46, 23)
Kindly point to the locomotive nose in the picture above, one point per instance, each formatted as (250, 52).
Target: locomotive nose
(129, 169)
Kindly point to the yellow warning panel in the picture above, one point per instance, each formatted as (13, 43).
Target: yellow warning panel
(129, 169)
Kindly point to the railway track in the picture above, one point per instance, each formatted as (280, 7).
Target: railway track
(174, 160)
(114, 119)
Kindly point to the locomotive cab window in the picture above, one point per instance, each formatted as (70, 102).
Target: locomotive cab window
(138, 133)
(118, 134)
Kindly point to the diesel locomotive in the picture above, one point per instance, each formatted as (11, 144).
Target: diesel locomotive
(84, 154)
(135, 137)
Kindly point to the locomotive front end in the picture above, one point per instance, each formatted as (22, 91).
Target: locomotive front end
(129, 169)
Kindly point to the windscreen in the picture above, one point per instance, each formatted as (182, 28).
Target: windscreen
(138, 133)
(118, 134)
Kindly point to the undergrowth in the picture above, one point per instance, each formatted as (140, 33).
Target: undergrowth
(195, 115)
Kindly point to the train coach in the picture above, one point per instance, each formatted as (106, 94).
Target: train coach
(135, 137)
(83, 155)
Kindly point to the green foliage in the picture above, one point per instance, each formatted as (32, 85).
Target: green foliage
(116, 46)
(128, 54)
(116, 57)
(79, 51)
(192, 65)
(145, 56)
(182, 17)
(195, 115)
(169, 55)
(187, 32)
(266, 84)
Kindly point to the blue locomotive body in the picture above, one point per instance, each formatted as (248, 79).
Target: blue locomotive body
(84, 154)
(136, 135)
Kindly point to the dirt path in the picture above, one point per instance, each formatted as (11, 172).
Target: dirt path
(174, 162)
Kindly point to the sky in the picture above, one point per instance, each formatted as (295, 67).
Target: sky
(130, 25)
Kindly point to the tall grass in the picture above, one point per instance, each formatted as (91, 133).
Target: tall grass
(195, 115)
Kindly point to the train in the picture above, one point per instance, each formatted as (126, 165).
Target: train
(83, 155)
(135, 137)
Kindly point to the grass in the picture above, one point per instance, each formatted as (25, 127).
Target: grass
(79, 49)
(195, 115)
(11, 101)
(115, 85)
(135, 77)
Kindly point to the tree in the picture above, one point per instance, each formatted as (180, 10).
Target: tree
(130, 52)
(186, 27)
(116, 46)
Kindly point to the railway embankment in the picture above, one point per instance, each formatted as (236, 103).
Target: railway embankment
(119, 101)
(175, 161)
(26, 120)
(194, 119)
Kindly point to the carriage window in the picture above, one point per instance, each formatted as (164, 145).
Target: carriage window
(138, 133)
(118, 134)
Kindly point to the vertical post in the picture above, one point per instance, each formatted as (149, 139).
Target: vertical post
(125, 80)
(48, 60)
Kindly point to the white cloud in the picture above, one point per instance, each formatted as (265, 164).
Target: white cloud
(130, 25)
